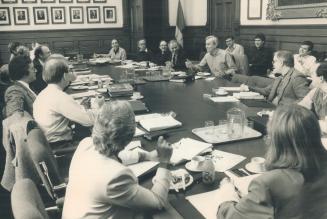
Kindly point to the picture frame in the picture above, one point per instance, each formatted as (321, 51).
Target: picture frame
(65, 1)
(254, 9)
(99, 1)
(83, 1)
(4, 16)
(76, 15)
(8, 1)
(21, 16)
(41, 15)
(93, 14)
(58, 15)
(28, 1)
(48, 1)
(110, 14)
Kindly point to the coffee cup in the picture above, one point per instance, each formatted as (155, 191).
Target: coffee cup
(197, 162)
(258, 164)
(221, 91)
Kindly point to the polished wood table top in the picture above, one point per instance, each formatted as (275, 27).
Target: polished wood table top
(186, 100)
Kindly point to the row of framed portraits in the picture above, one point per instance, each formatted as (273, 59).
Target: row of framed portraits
(58, 15)
(51, 1)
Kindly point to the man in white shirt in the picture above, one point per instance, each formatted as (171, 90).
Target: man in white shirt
(116, 52)
(237, 51)
(219, 61)
(304, 62)
(54, 109)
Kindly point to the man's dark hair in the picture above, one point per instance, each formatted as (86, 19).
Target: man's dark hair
(308, 43)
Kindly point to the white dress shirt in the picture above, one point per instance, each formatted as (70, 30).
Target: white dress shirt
(101, 187)
(53, 109)
(305, 64)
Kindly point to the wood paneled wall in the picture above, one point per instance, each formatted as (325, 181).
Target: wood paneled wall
(286, 37)
(86, 41)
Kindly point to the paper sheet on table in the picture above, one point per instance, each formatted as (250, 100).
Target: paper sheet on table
(232, 88)
(224, 99)
(84, 94)
(210, 79)
(186, 149)
(143, 167)
(159, 123)
(248, 95)
(242, 183)
(147, 116)
(224, 161)
(207, 203)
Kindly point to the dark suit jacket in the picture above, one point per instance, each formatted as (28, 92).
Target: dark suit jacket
(161, 58)
(144, 56)
(18, 98)
(260, 60)
(179, 63)
(39, 84)
(292, 88)
(270, 196)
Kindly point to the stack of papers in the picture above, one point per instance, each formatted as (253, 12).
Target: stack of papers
(159, 123)
(147, 116)
(248, 95)
(224, 99)
(224, 161)
(118, 90)
(139, 132)
(187, 148)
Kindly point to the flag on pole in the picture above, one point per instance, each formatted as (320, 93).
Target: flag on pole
(180, 24)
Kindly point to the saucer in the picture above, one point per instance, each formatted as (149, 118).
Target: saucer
(190, 167)
(222, 94)
(250, 168)
(137, 97)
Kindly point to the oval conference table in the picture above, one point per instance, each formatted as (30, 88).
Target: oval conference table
(186, 100)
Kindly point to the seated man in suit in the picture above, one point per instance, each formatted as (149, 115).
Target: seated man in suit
(163, 55)
(116, 52)
(304, 62)
(177, 58)
(237, 51)
(143, 54)
(290, 87)
(260, 57)
(41, 54)
(219, 61)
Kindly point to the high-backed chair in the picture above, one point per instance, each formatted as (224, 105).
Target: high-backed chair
(46, 165)
(26, 201)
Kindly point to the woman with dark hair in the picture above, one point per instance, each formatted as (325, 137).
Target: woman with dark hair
(295, 157)
(100, 184)
(19, 97)
(315, 100)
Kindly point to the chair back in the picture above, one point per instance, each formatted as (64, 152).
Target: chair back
(26, 201)
(44, 160)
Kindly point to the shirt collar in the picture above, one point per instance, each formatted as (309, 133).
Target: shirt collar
(26, 85)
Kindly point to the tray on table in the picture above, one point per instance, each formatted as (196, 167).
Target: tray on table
(216, 135)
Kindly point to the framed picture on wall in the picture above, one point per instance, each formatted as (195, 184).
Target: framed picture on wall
(109, 14)
(58, 15)
(83, 1)
(48, 1)
(65, 1)
(99, 1)
(28, 1)
(41, 15)
(76, 15)
(93, 14)
(254, 9)
(4, 16)
(21, 16)
(8, 1)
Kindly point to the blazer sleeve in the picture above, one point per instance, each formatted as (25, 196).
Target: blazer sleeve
(301, 87)
(256, 204)
(14, 100)
(265, 91)
(125, 191)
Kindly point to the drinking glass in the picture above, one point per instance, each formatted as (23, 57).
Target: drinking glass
(209, 125)
(223, 126)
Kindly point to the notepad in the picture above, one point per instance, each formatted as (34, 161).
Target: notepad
(159, 123)
(186, 149)
(224, 99)
(147, 116)
(224, 161)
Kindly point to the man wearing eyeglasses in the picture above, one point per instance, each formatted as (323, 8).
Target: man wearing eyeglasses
(288, 88)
